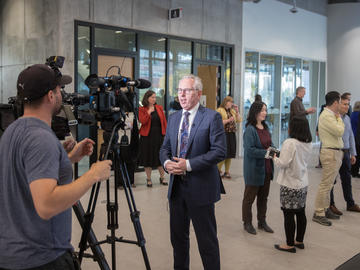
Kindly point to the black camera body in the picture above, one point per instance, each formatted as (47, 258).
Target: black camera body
(272, 152)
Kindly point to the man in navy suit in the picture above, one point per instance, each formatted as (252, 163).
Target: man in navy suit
(194, 143)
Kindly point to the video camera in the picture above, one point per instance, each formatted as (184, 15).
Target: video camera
(108, 100)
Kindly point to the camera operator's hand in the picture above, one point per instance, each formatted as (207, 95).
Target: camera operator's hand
(69, 144)
(81, 149)
(101, 170)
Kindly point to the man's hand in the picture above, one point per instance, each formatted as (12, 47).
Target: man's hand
(180, 165)
(311, 110)
(353, 160)
(177, 167)
(81, 149)
(69, 144)
(101, 170)
(171, 167)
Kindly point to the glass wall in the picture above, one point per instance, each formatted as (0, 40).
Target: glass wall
(276, 78)
(180, 64)
(83, 70)
(250, 79)
(115, 39)
(290, 80)
(269, 83)
(208, 52)
(159, 58)
(152, 65)
(227, 78)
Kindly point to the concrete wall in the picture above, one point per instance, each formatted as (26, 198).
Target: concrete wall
(344, 49)
(34, 29)
(269, 26)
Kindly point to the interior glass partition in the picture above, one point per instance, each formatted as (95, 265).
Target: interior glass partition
(152, 65)
(269, 89)
(180, 62)
(159, 58)
(291, 78)
(115, 39)
(227, 79)
(276, 78)
(251, 80)
(83, 70)
(313, 93)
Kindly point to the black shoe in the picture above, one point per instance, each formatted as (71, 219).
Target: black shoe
(301, 246)
(249, 228)
(291, 250)
(148, 183)
(263, 226)
(331, 215)
(163, 181)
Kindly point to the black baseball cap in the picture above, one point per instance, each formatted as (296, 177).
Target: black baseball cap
(37, 80)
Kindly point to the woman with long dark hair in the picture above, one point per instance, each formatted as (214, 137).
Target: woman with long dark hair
(258, 171)
(152, 131)
(293, 180)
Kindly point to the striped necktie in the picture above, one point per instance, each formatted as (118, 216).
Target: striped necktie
(184, 135)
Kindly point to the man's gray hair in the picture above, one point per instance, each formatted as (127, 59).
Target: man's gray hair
(197, 81)
(299, 89)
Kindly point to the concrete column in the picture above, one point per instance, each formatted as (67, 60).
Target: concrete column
(343, 49)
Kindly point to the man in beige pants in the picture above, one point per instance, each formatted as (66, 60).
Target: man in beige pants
(331, 129)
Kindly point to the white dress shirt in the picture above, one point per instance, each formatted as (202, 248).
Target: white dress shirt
(192, 115)
(292, 162)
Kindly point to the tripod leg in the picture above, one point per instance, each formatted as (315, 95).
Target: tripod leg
(98, 254)
(134, 214)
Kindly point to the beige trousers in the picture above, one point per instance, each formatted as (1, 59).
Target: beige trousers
(331, 162)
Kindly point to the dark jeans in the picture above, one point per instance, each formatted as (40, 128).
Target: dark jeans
(345, 177)
(290, 226)
(64, 262)
(250, 193)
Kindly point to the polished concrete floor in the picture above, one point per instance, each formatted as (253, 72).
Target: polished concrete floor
(326, 247)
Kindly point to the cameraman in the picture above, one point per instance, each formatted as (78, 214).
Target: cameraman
(36, 188)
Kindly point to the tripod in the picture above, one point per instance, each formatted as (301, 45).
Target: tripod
(111, 149)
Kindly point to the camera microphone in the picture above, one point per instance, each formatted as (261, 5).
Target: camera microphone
(139, 83)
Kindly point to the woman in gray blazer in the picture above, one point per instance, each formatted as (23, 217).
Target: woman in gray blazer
(258, 171)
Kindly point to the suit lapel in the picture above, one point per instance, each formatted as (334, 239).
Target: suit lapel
(195, 125)
(175, 133)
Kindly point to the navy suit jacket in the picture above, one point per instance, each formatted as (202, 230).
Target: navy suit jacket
(206, 147)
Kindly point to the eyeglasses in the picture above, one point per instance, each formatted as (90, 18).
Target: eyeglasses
(185, 90)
